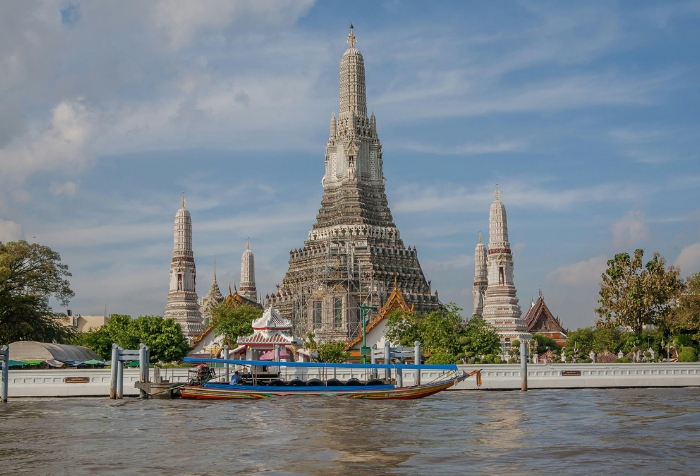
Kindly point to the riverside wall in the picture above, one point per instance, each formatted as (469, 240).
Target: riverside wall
(95, 382)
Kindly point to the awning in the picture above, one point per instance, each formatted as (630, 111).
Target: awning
(270, 355)
(94, 362)
(73, 363)
(17, 363)
(55, 363)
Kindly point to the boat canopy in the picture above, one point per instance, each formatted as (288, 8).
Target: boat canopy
(258, 363)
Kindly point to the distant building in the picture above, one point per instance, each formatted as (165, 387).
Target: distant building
(83, 323)
(540, 320)
(268, 331)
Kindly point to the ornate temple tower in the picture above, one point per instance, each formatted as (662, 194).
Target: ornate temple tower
(182, 298)
(480, 277)
(212, 298)
(501, 307)
(248, 274)
(354, 251)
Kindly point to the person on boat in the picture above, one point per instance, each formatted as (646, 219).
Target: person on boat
(236, 379)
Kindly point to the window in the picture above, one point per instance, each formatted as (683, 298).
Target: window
(338, 312)
(318, 315)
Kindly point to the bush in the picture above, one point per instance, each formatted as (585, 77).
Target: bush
(624, 360)
(687, 354)
(441, 357)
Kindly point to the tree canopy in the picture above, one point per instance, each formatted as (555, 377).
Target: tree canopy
(443, 333)
(163, 337)
(686, 315)
(634, 294)
(332, 352)
(234, 322)
(29, 275)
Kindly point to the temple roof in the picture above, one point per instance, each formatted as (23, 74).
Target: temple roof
(395, 302)
(271, 319)
(540, 319)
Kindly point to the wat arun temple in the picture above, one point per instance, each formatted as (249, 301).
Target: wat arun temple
(354, 256)
(354, 253)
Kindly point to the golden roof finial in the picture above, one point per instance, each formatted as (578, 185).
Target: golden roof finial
(497, 194)
(183, 202)
(480, 240)
(394, 282)
(247, 245)
(351, 37)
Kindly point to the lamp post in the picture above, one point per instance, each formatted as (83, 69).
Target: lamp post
(364, 350)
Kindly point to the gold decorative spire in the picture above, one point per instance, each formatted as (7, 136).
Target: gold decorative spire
(497, 194)
(183, 202)
(247, 245)
(351, 37)
(480, 240)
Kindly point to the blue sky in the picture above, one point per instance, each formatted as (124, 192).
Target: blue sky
(585, 113)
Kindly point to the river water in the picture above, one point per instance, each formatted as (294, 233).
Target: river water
(622, 431)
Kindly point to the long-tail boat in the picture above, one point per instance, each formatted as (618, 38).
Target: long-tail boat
(370, 389)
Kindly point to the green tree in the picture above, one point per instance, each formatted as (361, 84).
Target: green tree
(332, 352)
(579, 343)
(686, 315)
(545, 342)
(606, 338)
(480, 337)
(403, 327)
(634, 294)
(234, 322)
(29, 275)
(163, 337)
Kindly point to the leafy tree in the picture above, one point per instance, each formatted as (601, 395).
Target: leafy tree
(29, 275)
(163, 337)
(606, 339)
(544, 342)
(579, 344)
(333, 351)
(234, 322)
(403, 327)
(686, 315)
(480, 337)
(634, 294)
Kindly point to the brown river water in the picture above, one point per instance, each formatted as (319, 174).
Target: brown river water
(623, 431)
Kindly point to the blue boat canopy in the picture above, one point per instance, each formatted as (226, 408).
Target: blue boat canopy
(258, 363)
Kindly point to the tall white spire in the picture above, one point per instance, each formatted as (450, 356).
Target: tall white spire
(354, 153)
(480, 277)
(182, 297)
(212, 298)
(248, 289)
(501, 307)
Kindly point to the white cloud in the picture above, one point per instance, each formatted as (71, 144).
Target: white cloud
(465, 149)
(179, 20)
(581, 274)
(10, 231)
(689, 259)
(631, 230)
(61, 145)
(67, 188)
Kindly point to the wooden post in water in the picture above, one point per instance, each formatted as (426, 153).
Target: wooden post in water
(416, 361)
(523, 366)
(5, 380)
(120, 377)
(227, 374)
(143, 367)
(387, 360)
(115, 362)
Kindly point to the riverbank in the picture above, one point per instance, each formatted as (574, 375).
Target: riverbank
(95, 382)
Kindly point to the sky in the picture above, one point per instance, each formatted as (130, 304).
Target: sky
(584, 113)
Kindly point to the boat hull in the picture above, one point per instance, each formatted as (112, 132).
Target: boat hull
(230, 392)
